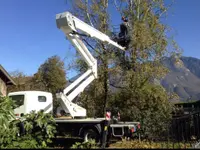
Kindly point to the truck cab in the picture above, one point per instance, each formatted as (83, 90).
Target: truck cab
(27, 101)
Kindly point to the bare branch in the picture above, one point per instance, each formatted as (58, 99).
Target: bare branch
(118, 7)
(119, 87)
(87, 12)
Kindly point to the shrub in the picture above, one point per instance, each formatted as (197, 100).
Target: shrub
(90, 144)
(40, 128)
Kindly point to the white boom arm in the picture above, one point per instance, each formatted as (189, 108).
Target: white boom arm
(70, 25)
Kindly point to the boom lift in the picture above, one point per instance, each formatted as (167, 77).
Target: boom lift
(71, 26)
(95, 128)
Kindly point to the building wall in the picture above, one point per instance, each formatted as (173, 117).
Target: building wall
(3, 88)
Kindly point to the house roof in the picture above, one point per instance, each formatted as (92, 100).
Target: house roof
(6, 77)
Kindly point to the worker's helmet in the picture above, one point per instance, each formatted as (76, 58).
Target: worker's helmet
(123, 18)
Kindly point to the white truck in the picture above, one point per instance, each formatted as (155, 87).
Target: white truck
(78, 124)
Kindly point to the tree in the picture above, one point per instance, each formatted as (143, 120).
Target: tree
(51, 76)
(96, 14)
(23, 82)
(142, 65)
(138, 66)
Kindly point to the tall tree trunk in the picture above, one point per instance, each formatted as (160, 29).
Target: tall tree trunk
(105, 82)
(105, 72)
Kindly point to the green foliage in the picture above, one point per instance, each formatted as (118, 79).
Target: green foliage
(8, 135)
(40, 128)
(51, 75)
(22, 81)
(96, 14)
(7, 130)
(6, 112)
(85, 145)
(138, 97)
(21, 142)
(149, 105)
(141, 99)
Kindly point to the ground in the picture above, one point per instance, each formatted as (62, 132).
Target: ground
(62, 143)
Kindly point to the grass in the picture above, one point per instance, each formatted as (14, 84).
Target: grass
(147, 144)
(63, 143)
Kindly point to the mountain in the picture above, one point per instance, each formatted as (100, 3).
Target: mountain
(183, 78)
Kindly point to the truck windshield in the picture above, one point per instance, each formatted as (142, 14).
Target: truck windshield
(18, 100)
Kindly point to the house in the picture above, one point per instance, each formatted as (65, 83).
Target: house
(5, 80)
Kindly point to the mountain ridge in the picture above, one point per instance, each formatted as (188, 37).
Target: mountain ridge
(183, 78)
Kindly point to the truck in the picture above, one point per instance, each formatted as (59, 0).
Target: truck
(76, 122)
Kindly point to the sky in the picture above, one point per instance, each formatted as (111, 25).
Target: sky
(29, 35)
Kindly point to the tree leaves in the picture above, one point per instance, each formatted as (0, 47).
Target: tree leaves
(51, 74)
(6, 112)
(40, 128)
(139, 98)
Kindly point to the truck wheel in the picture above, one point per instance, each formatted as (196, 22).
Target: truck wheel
(91, 134)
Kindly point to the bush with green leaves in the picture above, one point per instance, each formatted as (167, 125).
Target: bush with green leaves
(90, 144)
(149, 105)
(6, 112)
(40, 128)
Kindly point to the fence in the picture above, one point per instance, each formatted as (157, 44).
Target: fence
(185, 130)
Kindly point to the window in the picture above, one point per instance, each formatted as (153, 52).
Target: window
(42, 98)
(18, 100)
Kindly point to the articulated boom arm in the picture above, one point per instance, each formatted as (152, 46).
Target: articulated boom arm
(70, 25)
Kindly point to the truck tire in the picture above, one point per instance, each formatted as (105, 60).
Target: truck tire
(91, 134)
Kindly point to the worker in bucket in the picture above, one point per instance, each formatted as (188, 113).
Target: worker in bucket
(123, 37)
